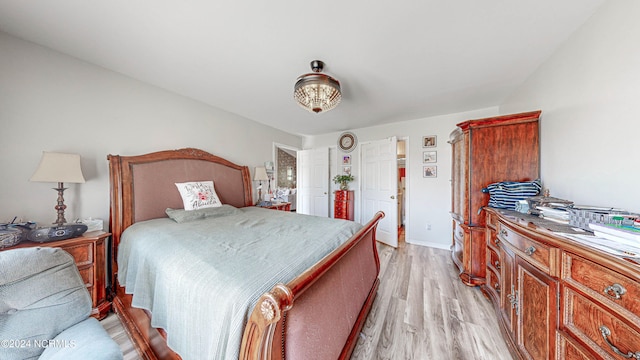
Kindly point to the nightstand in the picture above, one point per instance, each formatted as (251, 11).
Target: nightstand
(90, 254)
(283, 206)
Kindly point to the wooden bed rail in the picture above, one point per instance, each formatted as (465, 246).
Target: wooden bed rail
(270, 308)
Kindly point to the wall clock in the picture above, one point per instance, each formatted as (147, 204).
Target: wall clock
(347, 141)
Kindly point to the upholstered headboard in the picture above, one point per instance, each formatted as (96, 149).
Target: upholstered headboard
(154, 187)
(143, 186)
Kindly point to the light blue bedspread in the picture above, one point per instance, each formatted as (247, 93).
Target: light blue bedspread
(201, 279)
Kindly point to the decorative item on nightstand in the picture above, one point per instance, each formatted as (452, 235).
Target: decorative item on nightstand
(11, 234)
(260, 175)
(60, 168)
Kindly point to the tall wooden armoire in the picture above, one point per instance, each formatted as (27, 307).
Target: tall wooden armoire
(502, 148)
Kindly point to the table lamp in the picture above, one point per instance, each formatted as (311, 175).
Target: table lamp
(260, 175)
(60, 168)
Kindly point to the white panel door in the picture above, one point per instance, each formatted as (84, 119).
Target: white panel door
(379, 181)
(313, 182)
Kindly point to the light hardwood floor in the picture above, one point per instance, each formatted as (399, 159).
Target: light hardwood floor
(422, 311)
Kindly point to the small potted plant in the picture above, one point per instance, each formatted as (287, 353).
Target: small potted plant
(343, 180)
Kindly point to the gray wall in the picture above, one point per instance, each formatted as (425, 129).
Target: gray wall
(52, 102)
(588, 92)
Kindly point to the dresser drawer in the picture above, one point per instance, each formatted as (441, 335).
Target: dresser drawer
(601, 283)
(568, 349)
(492, 220)
(531, 250)
(597, 327)
(82, 253)
(493, 259)
(493, 284)
(342, 195)
(492, 238)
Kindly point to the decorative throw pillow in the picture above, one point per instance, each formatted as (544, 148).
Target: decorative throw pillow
(198, 195)
(182, 216)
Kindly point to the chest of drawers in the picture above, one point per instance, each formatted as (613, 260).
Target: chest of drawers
(557, 298)
(343, 205)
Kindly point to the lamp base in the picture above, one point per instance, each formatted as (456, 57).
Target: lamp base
(60, 207)
(259, 196)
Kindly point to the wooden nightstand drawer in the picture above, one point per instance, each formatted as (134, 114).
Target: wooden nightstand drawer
(82, 253)
(601, 283)
(595, 326)
(87, 275)
(529, 249)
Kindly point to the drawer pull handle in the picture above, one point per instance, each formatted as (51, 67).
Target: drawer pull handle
(497, 264)
(460, 234)
(605, 335)
(497, 287)
(530, 250)
(615, 291)
(504, 233)
(496, 241)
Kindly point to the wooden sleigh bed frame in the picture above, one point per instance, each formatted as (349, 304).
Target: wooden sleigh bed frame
(318, 315)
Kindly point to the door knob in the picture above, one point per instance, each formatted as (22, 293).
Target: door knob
(393, 197)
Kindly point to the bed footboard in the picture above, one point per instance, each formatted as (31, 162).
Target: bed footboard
(319, 314)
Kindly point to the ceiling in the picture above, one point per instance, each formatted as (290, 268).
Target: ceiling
(396, 61)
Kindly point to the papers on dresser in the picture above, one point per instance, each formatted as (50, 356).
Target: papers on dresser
(554, 214)
(608, 245)
(627, 235)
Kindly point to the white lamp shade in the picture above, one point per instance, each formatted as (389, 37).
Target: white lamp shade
(58, 167)
(260, 174)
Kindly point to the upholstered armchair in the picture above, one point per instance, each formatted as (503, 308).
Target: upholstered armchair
(45, 307)
(286, 195)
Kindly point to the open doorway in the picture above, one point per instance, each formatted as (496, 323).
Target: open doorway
(284, 174)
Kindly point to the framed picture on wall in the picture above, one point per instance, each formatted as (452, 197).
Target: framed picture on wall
(429, 141)
(430, 171)
(429, 156)
(346, 170)
(346, 160)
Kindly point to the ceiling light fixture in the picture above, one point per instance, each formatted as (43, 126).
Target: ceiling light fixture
(317, 92)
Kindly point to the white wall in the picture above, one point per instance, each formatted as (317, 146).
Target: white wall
(52, 102)
(589, 92)
(428, 199)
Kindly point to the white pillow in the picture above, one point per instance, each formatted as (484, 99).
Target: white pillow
(198, 195)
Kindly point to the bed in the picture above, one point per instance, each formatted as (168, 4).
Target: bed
(316, 312)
